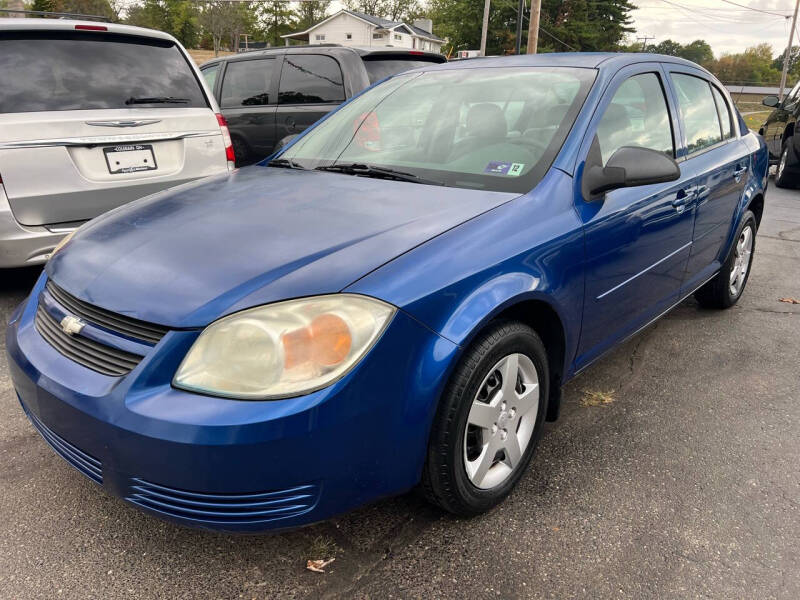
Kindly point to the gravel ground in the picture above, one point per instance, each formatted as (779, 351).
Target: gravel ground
(686, 484)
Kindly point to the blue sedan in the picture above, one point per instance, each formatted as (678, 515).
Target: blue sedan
(395, 300)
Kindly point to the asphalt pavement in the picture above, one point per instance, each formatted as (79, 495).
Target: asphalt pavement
(674, 472)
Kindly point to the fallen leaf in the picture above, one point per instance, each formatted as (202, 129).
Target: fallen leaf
(789, 300)
(318, 566)
(597, 398)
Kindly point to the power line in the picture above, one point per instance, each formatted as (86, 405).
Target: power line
(766, 12)
(550, 35)
(720, 18)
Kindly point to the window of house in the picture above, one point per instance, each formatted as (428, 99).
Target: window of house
(698, 112)
(348, 36)
(397, 36)
(310, 78)
(320, 37)
(377, 36)
(247, 82)
(637, 116)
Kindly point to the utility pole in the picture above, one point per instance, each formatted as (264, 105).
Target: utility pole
(788, 52)
(520, 16)
(644, 41)
(485, 28)
(533, 26)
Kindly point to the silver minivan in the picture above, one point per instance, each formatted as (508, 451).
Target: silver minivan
(94, 115)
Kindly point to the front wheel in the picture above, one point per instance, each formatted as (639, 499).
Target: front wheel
(727, 286)
(489, 421)
(783, 175)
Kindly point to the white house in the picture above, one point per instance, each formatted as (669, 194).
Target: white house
(351, 28)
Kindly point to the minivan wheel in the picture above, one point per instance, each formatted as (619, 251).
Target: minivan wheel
(727, 286)
(488, 421)
(783, 177)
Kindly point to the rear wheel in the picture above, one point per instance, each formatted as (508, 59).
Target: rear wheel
(727, 286)
(489, 421)
(783, 175)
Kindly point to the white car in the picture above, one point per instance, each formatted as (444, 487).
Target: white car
(94, 115)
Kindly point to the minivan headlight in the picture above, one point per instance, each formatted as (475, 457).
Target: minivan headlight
(284, 349)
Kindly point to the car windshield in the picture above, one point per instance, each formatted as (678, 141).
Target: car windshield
(496, 129)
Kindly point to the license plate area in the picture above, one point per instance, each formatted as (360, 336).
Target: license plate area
(130, 158)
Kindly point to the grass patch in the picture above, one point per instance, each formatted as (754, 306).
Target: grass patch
(597, 398)
(756, 120)
(322, 547)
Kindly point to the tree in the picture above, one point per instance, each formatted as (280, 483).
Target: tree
(179, 18)
(698, 51)
(216, 18)
(310, 13)
(278, 19)
(667, 47)
(754, 66)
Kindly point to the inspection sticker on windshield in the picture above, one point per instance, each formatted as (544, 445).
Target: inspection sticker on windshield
(504, 168)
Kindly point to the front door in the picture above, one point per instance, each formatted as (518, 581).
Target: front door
(778, 121)
(637, 239)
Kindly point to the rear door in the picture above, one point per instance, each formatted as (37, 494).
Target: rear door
(720, 161)
(311, 85)
(92, 120)
(248, 101)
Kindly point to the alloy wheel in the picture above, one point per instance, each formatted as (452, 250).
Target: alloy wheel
(741, 261)
(501, 421)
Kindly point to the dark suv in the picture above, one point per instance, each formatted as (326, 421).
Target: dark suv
(268, 95)
(782, 139)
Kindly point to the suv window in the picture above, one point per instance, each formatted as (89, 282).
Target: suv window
(44, 71)
(637, 116)
(210, 75)
(378, 68)
(310, 79)
(724, 113)
(698, 112)
(247, 82)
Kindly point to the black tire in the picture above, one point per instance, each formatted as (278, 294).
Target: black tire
(784, 177)
(444, 480)
(241, 152)
(717, 293)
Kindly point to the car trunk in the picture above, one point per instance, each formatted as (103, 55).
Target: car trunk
(92, 120)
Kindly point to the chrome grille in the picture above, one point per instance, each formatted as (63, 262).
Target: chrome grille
(133, 328)
(100, 358)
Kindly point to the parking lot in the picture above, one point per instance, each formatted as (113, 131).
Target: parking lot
(678, 477)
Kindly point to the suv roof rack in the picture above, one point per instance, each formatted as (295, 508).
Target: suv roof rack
(60, 15)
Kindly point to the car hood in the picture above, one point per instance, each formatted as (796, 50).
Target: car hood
(185, 257)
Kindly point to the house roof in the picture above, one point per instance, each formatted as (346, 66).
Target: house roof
(372, 20)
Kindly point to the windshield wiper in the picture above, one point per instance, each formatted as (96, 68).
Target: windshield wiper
(285, 163)
(157, 100)
(366, 170)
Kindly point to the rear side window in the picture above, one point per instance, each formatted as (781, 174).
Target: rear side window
(210, 75)
(247, 83)
(637, 116)
(698, 112)
(724, 113)
(378, 68)
(73, 71)
(310, 79)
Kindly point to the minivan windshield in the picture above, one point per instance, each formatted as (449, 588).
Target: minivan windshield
(496, 129)
(50, 70)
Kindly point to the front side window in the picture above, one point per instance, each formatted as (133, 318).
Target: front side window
(50, 70)
(247, 83)
(478, 128)
(309, 79)
(637, 116)
(698, 112)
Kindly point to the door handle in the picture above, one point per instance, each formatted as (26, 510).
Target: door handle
(683, 198)
(738, 172)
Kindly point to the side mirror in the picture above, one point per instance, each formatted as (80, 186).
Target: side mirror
(771, 101)
(628, 167)
(284, 141)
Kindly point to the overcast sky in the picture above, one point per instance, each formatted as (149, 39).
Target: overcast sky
(726, 27)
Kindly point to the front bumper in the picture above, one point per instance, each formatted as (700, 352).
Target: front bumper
(236, 465)
(22, 246)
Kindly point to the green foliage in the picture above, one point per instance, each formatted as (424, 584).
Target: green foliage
(394, 10)
(277, 19)
(309, 13)
(754, 66)
(176, 17)
(587, 25)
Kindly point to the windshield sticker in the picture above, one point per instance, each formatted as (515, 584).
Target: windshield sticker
(504, 168)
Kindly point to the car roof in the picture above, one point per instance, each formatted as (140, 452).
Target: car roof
(590, 60)
(17, 24)
(335, 49)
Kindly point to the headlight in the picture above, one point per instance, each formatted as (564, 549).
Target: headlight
(283, 349)
(62, 243)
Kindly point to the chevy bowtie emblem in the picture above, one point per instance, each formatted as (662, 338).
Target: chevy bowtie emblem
(72, 325)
